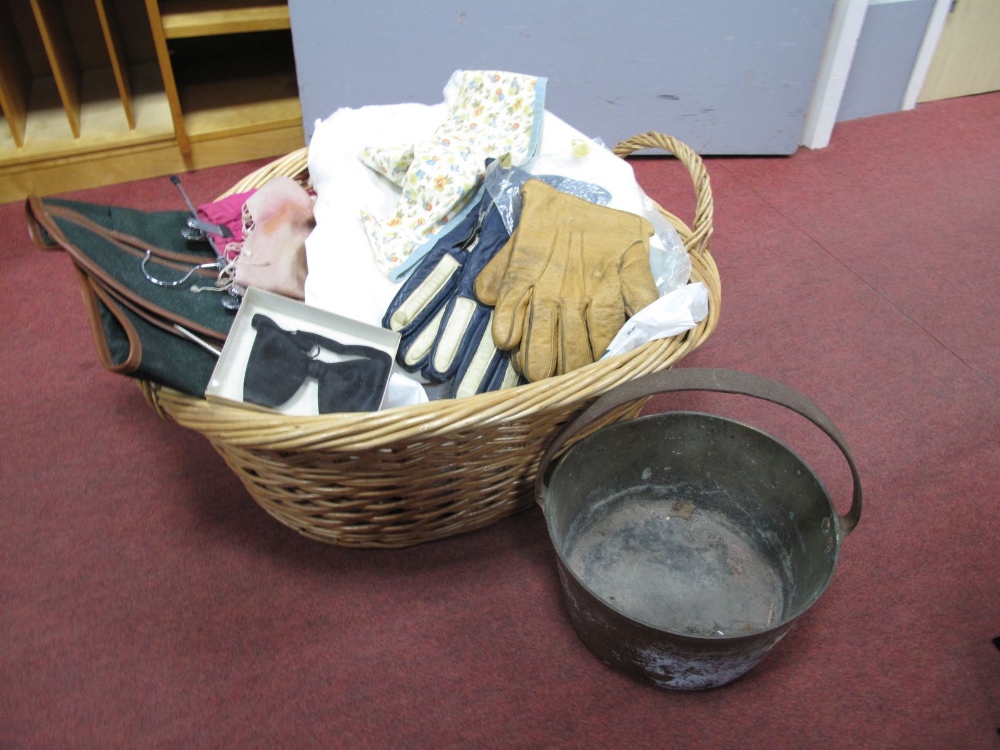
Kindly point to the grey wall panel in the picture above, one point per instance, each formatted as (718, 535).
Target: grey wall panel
(725, 76)
(883, 61)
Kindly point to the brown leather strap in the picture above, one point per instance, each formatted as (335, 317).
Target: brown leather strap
(39, 213)
(717, 381)
(93, 295)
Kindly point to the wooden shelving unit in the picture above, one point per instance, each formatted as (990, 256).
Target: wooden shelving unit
(95, 92)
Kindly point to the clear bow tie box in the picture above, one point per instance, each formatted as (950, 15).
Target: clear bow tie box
(285, 356)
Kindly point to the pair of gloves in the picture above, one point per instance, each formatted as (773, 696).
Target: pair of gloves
(445, 331)
(488, 309)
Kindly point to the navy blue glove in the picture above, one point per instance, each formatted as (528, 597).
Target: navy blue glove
(445, 330)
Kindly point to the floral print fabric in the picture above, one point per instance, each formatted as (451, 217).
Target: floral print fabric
(490, 114)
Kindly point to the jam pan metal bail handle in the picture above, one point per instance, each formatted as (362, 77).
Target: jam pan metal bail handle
(716, 380)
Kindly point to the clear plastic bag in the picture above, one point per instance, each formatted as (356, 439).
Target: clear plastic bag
(673, 313)
(504, 186)
(668, 258)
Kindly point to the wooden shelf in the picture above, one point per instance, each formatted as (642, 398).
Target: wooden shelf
(183, 19)
(211, 113)
(243, 83)
(103, 123)
(199, 83)
(228, 66)
(15, 78)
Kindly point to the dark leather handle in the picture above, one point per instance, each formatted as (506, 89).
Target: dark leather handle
(705, 379)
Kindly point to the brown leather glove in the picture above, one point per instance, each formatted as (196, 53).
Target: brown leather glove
(566, 281)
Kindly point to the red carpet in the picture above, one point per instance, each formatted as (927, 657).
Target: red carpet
(147, 602)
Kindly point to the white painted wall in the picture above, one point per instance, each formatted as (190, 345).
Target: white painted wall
(724, 76)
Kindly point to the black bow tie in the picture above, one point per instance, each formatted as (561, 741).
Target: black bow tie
(280, 361)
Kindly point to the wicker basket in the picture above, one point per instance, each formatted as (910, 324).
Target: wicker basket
(413, 474)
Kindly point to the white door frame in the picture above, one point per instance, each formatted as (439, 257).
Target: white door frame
(838, 55)
(939, 15)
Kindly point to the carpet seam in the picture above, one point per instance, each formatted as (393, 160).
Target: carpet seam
(980, 376)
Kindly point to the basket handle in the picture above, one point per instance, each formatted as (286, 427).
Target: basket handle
(705, 379)
(701, 227)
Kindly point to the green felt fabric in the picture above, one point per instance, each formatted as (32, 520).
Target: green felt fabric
(167, 359)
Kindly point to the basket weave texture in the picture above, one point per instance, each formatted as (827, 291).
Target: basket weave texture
(418, 473)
